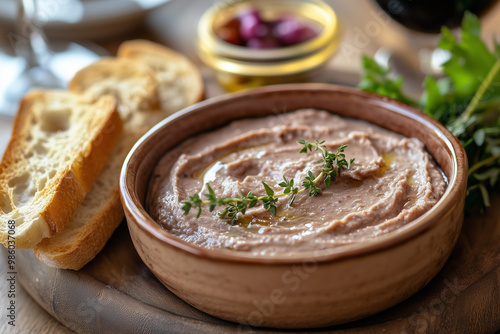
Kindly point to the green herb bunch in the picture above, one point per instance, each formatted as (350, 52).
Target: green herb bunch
(466, 100)
(333, 164)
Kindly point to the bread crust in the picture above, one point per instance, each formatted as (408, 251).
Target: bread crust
(76, 255)
(54, 204)
(75, 246)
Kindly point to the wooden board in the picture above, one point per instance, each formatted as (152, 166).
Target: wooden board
(116, 293)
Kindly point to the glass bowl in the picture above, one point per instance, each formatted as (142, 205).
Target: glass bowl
(239, 67)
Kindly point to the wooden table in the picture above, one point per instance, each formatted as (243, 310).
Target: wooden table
(474, 268)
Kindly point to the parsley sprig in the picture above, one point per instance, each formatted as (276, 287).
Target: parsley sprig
(466, 99)
(333, 164)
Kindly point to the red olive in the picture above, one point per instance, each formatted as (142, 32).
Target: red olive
(307, 33)
(250, 30)
(288, 31)
(251, 25)
(229, 32)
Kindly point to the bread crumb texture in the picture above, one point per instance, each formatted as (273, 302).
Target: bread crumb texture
(49, 164)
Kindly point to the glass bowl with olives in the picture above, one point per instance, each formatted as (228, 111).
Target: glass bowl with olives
(252, 43)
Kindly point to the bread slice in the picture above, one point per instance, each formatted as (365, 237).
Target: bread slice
(179, 80)
(132, 83)
(101, 212)
(95, 219)
(60, 142)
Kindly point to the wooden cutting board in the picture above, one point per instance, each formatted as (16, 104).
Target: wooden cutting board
(116, 293)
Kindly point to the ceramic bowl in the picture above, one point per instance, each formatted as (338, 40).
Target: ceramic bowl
(330, 287)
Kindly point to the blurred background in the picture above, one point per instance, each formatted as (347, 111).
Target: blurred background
(101, 25)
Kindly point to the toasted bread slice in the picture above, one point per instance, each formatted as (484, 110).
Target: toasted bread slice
(60, 142)
(130, 82)
(101, 211)
(94, 220)
(179, 80)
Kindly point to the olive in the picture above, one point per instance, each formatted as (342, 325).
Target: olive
(250, 30)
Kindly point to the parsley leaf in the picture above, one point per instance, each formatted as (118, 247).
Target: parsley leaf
(466, 100)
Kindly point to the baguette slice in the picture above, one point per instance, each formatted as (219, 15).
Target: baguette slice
(60, 142)
(132, 83)
(101, 211)
(179, 80)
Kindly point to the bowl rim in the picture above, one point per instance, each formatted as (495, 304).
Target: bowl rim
(447, 203)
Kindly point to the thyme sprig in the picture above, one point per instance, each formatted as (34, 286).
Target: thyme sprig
(333, 164)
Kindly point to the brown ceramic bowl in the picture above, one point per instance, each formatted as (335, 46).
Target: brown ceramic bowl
(330, 287)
